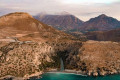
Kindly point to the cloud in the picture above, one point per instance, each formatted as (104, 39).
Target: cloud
(84, 9)
(89, 1)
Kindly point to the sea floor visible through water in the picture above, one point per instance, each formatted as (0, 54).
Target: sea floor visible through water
(72, 76)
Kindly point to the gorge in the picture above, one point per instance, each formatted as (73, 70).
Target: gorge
(61, 65)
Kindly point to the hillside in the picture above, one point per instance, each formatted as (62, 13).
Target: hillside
(99, 58)
(22, 25)
(111, 35)
(95, 58)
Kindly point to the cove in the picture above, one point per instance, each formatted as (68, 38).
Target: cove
(72, 76)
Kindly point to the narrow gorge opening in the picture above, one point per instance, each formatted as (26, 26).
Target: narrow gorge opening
(60, 60)
(61, 65)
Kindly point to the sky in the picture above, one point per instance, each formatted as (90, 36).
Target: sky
(83, 9)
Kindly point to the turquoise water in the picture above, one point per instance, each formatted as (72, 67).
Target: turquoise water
(67, 76)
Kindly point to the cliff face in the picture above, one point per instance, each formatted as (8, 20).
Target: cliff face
(21, 59)
(97, 58)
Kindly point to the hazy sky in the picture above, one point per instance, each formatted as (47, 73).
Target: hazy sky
(84, 9)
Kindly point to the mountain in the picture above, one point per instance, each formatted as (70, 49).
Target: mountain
(100, 23)
(62, 21)
(28, 46)
(23, 25)
(111, 35)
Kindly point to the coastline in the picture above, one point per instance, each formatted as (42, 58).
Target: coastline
(37, 75)
(79, 72)
(26, 77)
(67, 71)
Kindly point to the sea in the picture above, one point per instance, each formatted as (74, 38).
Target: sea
(72, 76)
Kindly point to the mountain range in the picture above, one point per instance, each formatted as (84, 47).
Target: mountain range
(100, 23)
(102, 27)
(68, 22)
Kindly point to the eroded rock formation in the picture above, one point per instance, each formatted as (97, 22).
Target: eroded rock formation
(21, 59)
(98, 58)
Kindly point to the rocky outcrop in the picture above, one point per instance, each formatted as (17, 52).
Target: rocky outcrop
(97, 58)
(34, 75)
(21, 59)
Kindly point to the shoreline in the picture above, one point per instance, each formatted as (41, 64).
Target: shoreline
(37, 75)
(26, 77)
(68, 71)
(79, 72)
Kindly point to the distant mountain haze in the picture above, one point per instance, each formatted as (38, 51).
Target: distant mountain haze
(68, 22)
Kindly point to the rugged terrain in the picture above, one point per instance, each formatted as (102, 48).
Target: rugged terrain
(96, 58)
(29, 46)
(21, 59)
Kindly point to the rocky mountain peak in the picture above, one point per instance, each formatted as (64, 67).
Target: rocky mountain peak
(100, 23)
(61, 21)
(103, 15)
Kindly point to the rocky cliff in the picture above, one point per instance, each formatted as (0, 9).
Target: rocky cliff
(20, 59)
(96, 58)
